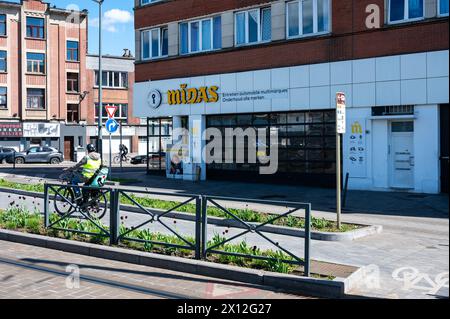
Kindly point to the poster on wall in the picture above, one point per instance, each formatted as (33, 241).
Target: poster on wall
(175, 160)
(11, 129)
(356, 148)
(41, 129)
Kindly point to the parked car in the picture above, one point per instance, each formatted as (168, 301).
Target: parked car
(142, 159)
(37, 155)
(5, 152)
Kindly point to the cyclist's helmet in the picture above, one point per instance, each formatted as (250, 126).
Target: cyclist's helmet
(91, 148)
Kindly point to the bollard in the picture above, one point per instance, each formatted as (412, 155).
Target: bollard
(114, 222)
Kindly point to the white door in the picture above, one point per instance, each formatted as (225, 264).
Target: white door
(402, 154)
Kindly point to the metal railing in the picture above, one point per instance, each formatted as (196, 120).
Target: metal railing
(116, 197)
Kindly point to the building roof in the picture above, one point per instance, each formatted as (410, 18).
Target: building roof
(50, 7)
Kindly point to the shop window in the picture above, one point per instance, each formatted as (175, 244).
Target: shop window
(253, 26)
(442, 8)
(155, 43)
(72, 51)
(36, 63)
(308, 17)
(201, 35)
(73, 113)
(35, 28)
(405, 10)
(36, 99)
(72, 82)
(3, 98)
(2, 24)
(3, 63)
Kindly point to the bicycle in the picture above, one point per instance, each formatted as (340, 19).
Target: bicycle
(90, 201)
(125, 159)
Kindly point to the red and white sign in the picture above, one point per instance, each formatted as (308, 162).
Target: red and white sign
(111, 110)
(340, 113)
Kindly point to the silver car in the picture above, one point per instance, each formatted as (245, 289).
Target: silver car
(37, 154)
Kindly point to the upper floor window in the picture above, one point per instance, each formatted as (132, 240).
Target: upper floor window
(253, 26)
(35, 28)
(72, 82)
(36, 62)
(144, 2)
(403, 10)
(442, 8)
(73, 113)
(113, 79)
(3, 98)
(2, 24)
(72, 51)
(36, 99)
(2, 61)
(308, 17)
(155, 43)
(201, 35)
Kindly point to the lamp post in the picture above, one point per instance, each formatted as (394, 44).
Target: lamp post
(100, 80)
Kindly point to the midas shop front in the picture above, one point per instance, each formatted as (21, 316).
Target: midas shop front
(396, 124)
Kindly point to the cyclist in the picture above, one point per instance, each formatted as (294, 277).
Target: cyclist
(123, 152)
(86, 168)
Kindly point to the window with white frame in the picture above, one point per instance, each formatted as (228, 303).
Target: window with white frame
(35, 62)
(3, 61)
(404, 10)
(113, 79)
(253, 26)
(155, 43)
(443, 8)
(307, 17)
(201, 35)
(3, 98)
(144, 2)
(2, 24)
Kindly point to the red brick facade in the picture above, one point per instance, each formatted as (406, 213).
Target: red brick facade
(349, 39)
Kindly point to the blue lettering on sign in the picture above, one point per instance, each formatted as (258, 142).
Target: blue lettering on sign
(112, 126)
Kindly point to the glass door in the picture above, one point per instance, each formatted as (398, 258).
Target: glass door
(159, 133)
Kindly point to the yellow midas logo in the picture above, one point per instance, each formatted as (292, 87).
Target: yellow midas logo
(193, 95)
(356, 128)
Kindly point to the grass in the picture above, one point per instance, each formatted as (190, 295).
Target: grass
(248, 215)
(20, 219)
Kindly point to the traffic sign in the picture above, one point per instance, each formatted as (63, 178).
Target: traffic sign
(112, 126)
(340, 113)
(111, 110)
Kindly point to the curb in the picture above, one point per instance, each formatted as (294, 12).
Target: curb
(336, 288)
(366, 230)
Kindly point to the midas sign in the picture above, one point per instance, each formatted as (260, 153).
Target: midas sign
(193, 95)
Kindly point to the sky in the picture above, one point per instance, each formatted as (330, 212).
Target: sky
(118, 23)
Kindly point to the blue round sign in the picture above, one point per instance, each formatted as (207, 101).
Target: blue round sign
(112, 126)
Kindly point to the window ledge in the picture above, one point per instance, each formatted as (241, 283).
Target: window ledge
(38, 39)
(70, 61)
(3, 35)
(110, 88)
(38, 74)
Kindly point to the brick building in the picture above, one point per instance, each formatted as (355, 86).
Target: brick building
(118, 81)
(277, 65)
(42, 75)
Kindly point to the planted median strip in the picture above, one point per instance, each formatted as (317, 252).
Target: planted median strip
(248, 215)
(20, 219)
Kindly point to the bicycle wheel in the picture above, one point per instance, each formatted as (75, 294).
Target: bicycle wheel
(116, 160)
(63, 198)
(98, 204)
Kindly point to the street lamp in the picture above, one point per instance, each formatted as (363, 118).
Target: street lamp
(100, 79)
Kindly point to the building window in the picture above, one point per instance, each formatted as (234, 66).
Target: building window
(35, 28)
(155, 43)
(308, 17)
(201, 35)
(3, 98)
(2, 24)
(113, 79)
(36, 63)
(442, 8)
(72, 113)
(253, 26)
(144, 2)
(120, 116)
(404, 10)
(72, 51)
(72, 82)
(36, 99)
(3, 61)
